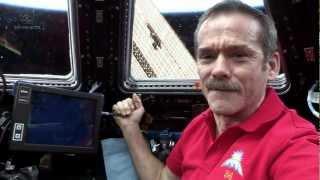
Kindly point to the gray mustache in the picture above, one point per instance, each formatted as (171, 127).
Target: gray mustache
(221, 85)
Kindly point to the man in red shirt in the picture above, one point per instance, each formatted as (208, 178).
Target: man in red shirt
(247, 132)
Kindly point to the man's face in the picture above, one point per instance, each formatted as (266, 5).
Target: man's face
(230, 64)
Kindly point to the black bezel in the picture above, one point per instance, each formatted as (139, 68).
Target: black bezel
(21, 112)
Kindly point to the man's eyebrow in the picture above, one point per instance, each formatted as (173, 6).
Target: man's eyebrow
(206, 50)
(240, 47)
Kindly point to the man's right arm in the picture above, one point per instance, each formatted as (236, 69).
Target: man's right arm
(128, 115)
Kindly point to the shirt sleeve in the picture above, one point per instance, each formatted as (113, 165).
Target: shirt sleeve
(299, 160)
(175, 158)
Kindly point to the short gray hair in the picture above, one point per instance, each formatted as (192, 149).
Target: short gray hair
(268, 35)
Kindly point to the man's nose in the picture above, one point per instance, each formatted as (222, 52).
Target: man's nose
(221, 67)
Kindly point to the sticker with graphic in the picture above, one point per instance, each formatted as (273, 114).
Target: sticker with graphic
(228, 175)
(234, 162)
(18, 132)
(24, 95)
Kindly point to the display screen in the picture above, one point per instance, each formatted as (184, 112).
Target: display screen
(60, 120)
(34, 37)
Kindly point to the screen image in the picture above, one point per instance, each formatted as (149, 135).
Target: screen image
(60, 120)
(34, 40)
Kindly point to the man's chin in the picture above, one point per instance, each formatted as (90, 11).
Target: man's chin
(222, 108)
(223, 112)
(223, 91)
(223, 96)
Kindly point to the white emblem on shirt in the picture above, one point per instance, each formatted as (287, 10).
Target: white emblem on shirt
(234, 162)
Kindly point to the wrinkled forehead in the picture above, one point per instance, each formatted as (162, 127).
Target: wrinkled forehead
(239, 25)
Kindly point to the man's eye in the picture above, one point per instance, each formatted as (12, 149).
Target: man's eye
(239, 55)
(205, 57)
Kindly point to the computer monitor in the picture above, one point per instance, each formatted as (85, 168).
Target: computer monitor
(39, 42)
(55, 120)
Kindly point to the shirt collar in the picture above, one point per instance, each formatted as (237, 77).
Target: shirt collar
(209, 119)
(271, 108)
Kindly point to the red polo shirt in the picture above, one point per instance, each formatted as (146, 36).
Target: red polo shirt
(274, 143)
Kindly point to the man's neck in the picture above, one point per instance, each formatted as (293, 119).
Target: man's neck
(224, 123)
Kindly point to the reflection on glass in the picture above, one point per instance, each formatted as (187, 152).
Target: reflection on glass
(157, 51)
(162, 57)
(162, 46)
(34, 37)
(63, 125)
(185, 6)
(39, 4)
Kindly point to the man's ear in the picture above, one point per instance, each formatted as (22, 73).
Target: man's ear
(273, 66)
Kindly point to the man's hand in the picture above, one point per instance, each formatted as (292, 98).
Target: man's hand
(128, 112)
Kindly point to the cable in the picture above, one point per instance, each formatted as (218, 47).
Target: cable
(4, 83)
(95, 86)
(4, 87)
(105, 113)
(4, 129)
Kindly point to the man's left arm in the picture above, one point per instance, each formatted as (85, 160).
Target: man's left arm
(299, 160)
